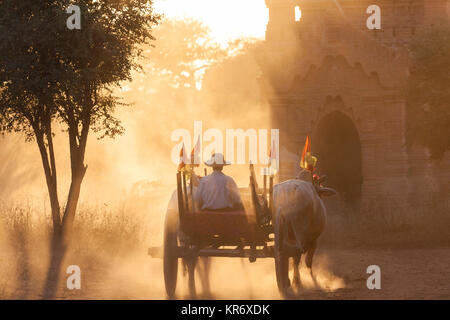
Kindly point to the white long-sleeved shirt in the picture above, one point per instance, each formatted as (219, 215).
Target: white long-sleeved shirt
(217, 191)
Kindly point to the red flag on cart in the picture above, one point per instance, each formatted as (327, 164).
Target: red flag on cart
(182, 162)
(273, 151)
(306, 149)
(195, 154)
(308, 161)
(273, 165)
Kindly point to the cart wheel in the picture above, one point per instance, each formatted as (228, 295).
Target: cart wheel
(170, 258)
(281, 257)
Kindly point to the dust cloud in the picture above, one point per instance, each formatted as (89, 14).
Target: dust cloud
(187, 76)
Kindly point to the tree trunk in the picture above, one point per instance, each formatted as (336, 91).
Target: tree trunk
(61, 240)
(57, 247)
(63, 232)
(72, 202)
(50, 177)
(57, 253)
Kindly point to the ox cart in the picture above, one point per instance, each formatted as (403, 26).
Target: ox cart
(251, 232)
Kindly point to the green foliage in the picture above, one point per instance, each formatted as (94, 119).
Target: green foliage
(428, 92)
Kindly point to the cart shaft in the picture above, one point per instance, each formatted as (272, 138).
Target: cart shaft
(236, 253)
(157, 252)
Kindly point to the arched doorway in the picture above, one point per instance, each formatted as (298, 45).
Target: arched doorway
(336, 143)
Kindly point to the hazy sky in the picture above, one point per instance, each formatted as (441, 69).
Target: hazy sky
(227, 19)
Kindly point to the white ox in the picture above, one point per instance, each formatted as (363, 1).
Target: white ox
(303, 215)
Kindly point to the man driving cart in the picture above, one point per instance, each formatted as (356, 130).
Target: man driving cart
(217, 191)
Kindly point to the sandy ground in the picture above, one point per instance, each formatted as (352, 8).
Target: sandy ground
(338, 274)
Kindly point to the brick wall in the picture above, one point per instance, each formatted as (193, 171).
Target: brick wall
(330, 56)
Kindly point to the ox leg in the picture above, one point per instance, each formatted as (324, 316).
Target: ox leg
(296, 267)
(309, 261)
(310, 255)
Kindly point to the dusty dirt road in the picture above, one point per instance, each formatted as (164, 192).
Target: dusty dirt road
(338, 274)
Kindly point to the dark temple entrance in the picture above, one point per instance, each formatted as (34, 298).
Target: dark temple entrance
(337, 145)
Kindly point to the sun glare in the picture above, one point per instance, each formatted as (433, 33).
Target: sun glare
(298, 13)
(228, 20)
